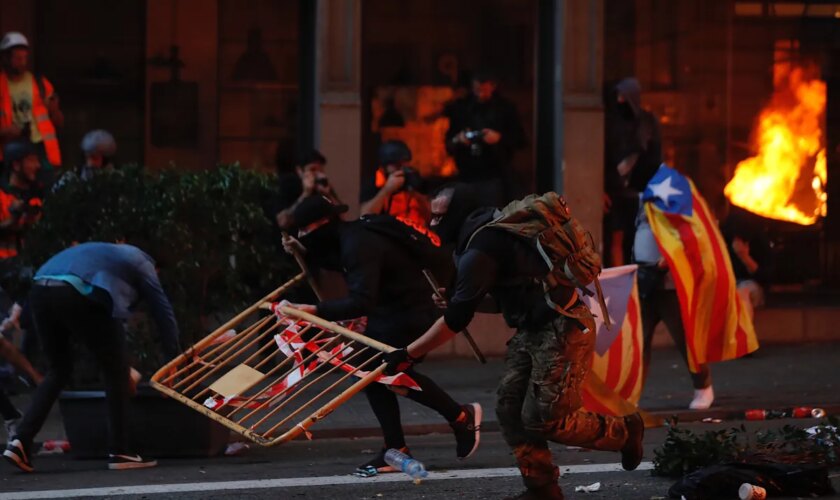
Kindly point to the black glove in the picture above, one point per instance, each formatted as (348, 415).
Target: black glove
(397, 361)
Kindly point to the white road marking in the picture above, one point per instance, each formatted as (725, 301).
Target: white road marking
(297, 482)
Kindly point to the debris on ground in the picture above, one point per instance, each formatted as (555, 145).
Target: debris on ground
(684, 451)
(236, 448)
(727, 480)
(54, 447)
(592, 488)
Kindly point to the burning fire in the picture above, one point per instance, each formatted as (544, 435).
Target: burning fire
(786, 179)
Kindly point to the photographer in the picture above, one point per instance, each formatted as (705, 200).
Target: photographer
(395, 189)
(295, 185)
(484, 131)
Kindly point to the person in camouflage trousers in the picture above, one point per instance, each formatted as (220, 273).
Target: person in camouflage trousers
(539, 396)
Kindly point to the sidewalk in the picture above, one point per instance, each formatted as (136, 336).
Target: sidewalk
(777, 376)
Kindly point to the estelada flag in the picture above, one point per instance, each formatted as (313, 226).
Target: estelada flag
(717, 325)
(614, 384)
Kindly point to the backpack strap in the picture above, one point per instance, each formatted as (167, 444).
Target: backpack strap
(550, 282)
(602, 303)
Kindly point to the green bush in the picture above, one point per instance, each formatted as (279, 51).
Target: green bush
(684, 451)
(215, 248)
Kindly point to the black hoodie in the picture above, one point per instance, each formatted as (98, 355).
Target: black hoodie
(630, 130)
(496, 262)
(384, 280)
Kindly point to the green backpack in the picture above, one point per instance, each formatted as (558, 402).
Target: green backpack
(566, 247)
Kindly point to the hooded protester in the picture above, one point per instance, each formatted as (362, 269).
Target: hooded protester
(452, 204)
(382, 260)
(539, 396)
(634, 147)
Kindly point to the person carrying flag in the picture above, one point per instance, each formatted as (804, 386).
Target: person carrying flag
(549, 357)
(382, 260)
(686, 278)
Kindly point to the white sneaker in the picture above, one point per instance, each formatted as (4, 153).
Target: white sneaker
(703, 399)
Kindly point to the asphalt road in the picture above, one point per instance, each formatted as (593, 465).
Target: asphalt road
(319, 469)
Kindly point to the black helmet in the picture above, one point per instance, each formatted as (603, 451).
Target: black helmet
(17, 150)
(393, 152)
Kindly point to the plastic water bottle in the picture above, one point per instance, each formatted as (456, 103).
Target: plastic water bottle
(399, 460)
(749, 491)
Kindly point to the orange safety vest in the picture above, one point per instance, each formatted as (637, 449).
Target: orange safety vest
(39, 113)
(405, 204)
(8, 235)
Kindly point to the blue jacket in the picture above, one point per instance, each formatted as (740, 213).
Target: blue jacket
(127, 274)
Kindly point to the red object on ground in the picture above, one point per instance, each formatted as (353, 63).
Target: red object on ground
(55, 444)
(798, 412)
(755, 414)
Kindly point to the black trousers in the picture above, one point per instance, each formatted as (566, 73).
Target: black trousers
(383, 401)
(664, 305)
(61, 314)
(7, 409)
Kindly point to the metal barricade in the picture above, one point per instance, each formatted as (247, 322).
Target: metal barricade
(272, 371)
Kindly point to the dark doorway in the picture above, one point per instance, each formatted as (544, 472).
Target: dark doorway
(93, 51)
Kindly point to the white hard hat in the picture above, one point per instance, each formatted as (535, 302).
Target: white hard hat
(99, 141)
(13, 39)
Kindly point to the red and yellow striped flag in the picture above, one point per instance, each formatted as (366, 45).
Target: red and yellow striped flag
(615, 381)
(717, 326)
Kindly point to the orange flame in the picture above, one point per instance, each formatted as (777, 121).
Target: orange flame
(786, 179)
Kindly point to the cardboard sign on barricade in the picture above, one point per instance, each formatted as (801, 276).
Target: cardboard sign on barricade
(272, 371)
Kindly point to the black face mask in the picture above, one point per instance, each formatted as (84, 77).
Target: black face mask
(461, 204)
(641, 174)
(323, 247)
(448, 229)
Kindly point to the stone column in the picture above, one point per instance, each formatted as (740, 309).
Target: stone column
(583, 114)
(570, 117)
(338, 123)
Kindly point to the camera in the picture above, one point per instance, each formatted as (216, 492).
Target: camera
(472, 135)
(322, 181)
(475, 136)
(413, 181)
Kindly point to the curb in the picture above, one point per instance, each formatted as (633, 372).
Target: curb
(685, 416)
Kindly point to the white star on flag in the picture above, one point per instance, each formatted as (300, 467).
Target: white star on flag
(664, 190)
